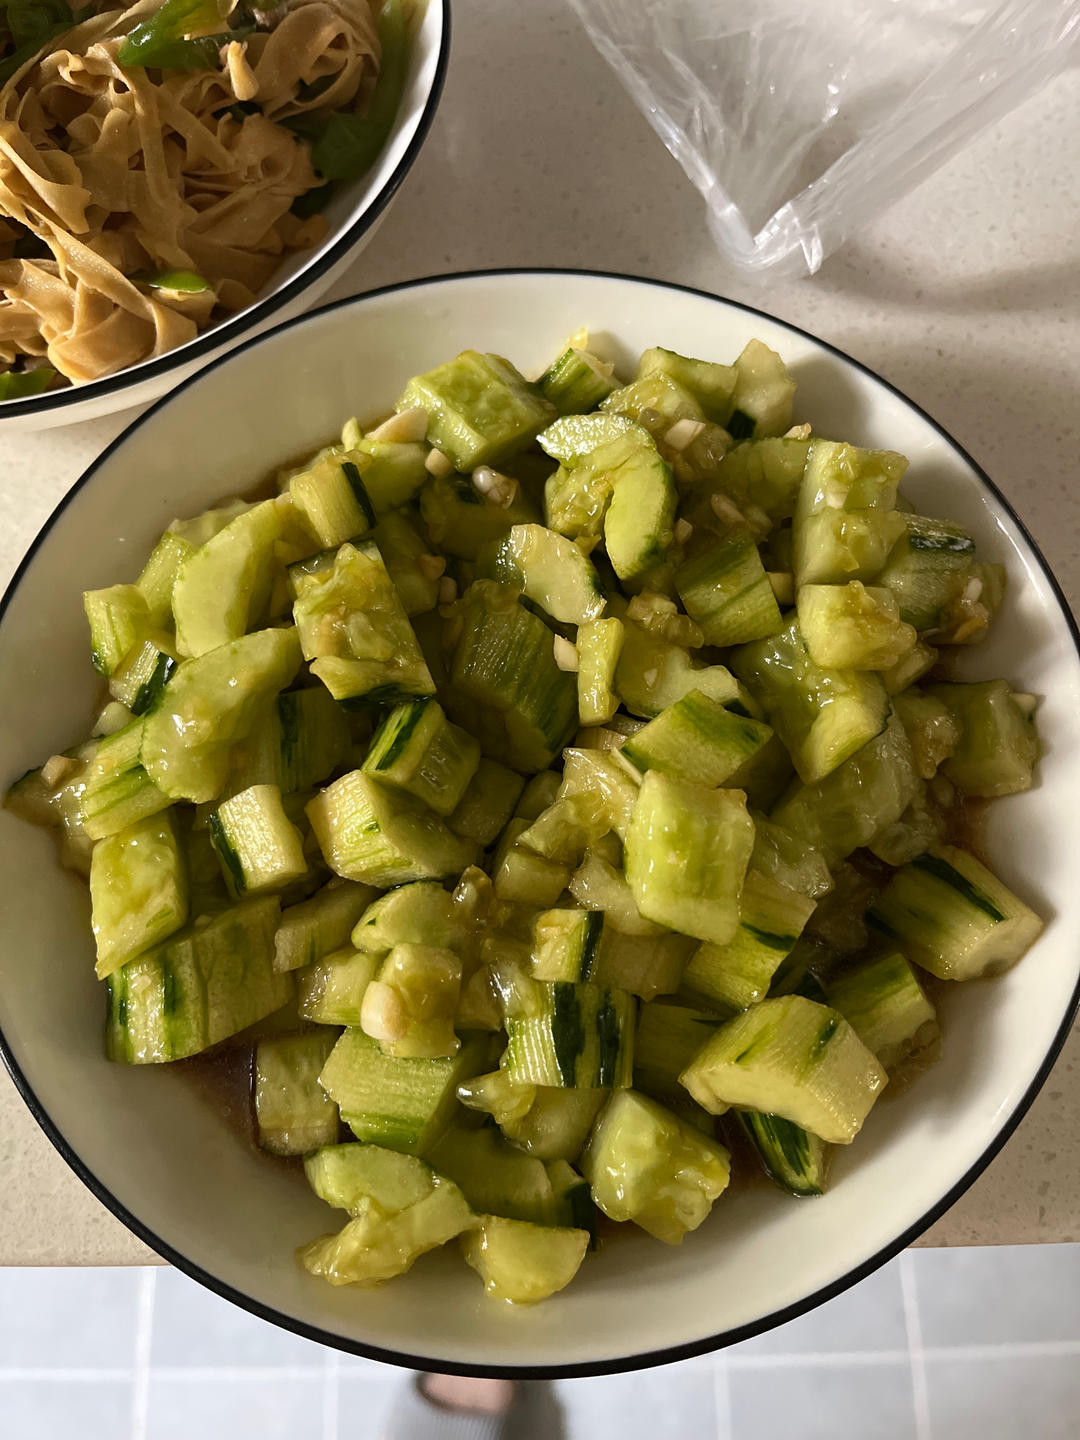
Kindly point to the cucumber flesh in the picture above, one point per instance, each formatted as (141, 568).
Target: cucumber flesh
(791, 1057)
(953, 917)
(212, 701)
(138, 891)
(382, 837)
(374, 1247)
(687, 850)
(222, 587)
(646, 1165)
(522, 1263)
(480, 409)
(293, 1113)
(554, 573)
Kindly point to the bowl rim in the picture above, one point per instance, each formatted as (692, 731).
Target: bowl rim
(647, 1358)
(260, 311)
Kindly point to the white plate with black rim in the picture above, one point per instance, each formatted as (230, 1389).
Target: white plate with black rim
(161, 1155)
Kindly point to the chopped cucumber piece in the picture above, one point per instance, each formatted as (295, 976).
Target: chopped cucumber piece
(375, 1246)
(383, 837)
(565, 1034)
(201, 528)
(556, 1124)
(603, 778)
(711, 385)
(927, 569)
(658, 392)
(507, 687)
(409, 1007)
(577, 496)
(572, 438)
(687, 850)
(331, 990)
(158, 576)
(487, 803)
(138, 891)
(652, 674)
(738, 974)
(539, 792)
(644, 965)
(200, 986)
(792, 1157)
(791, 1057)
(211, 702)
(764, 392)
(932, 729)
(913, 667)
(115, 789)
(395, 473)
(667, 1039)
(552, 572)
(853, 627)
(348, 1176)
(845, 521)
(953, 917)
(330, 499)
(293, 1113)
(886, 1007)
(402, 1104)
(523, 877)
(139, 679)
(354, 629)
(638, 521)
(997, 746)
(787, 858)
(418, 750)
(861, 797)
(599, 645)
(419, 914)
(409, 563)
(728, 593)
(566, 828)
(313, 928)
(480, 409)
(646, 1165)
(697, 739)
(119, 619)
(566, 944)
(259, 848)
(498, 1178)
(765, 475)
(222, 588)
(598, 885)
(299, 740)
(466, 524)
(822, 716)
(523, 1263)
(577, 381)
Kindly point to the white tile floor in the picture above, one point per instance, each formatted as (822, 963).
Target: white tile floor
(939, 1345)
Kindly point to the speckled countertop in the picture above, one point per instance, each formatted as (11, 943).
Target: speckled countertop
(966, 295)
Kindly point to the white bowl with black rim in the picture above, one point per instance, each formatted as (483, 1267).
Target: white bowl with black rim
(160, 1153)
(354, 213)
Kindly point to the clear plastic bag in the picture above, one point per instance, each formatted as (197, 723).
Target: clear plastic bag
(800, 123)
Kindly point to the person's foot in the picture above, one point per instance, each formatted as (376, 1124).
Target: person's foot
(452, 1407)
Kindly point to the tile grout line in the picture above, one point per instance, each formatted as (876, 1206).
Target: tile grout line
(331, 1395)
(140, 1389)
(913, 1325)
(725, 1427)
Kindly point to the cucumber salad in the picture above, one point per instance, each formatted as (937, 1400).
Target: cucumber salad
(559, 792)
